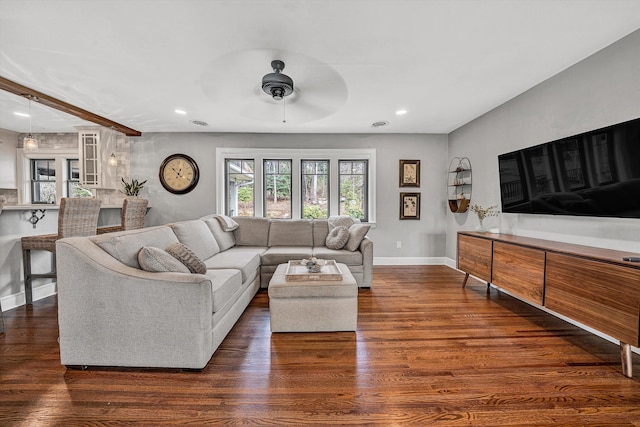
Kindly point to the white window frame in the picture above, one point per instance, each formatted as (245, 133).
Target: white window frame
(24, 172)
(296, 155)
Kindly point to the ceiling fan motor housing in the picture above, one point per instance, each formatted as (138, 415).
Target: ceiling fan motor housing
(276, 84)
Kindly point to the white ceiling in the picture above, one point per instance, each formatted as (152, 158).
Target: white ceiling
(354, 62)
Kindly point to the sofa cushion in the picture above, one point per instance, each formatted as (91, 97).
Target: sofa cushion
(124, 246)
(224, 283)
(320, 231)
(157, 260)
(339, 255)
(252, 231)
(340, 220)
(356, 234)
(182, 253)
(228, 224)
(225, 239)
(337, 238)
(197, 236)
(281, 254)
(291, 232)
(243, 258)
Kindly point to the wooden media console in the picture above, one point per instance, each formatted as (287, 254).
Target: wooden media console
(592, 286)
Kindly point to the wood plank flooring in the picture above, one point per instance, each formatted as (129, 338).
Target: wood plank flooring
(426, 352)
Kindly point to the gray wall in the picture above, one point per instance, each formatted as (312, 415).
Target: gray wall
(424, 238)
(601, 90)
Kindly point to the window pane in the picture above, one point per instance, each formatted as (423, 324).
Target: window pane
(43, 181)
(73, 180)
(277, 188)
(353, 189)
(240, 187)
(315, 188)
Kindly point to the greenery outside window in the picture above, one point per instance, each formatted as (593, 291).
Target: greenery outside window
(315, 188)
(277, 188)
(239, 187)
(279, 183)
(353, 188)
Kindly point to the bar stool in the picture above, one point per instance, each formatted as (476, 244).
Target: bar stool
(77, 217)
(131, 217)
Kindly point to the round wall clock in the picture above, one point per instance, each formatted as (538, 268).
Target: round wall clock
(179, 173)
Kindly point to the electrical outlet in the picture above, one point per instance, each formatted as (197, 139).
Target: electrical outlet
(399, 244)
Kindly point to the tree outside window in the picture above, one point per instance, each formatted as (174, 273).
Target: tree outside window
(277, 188)
(315, 188)
(353, 188)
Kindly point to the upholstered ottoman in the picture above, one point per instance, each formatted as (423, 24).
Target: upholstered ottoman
(313, 306)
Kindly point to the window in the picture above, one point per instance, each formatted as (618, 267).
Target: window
(353, 188)
(48, 175)
(43, 181)
(239, 187)
(315, 188)
(296, 183)
(277, 188)
(73, 180)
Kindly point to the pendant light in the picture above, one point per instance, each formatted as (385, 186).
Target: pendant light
(113, 159)
(30, 144)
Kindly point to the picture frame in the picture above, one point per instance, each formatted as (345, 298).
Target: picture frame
(409, 205)
(409, 173)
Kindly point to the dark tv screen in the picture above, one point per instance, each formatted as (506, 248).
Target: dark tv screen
(595, 173)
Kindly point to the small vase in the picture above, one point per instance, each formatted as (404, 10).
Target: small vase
(480, 226)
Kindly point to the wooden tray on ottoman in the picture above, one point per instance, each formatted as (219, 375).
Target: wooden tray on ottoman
(297, 271)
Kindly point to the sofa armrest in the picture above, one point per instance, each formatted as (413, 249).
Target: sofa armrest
(115, 315)
(366, 247)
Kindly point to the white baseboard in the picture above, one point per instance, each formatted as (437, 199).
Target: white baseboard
(409, 261)
(12, 301)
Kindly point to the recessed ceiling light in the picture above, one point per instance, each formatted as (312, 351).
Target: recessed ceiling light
(401, 112)
(379, 124)
(21, 114)
(199, 123)
(179, 111)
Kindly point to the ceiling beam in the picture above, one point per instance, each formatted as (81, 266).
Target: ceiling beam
(52, 102)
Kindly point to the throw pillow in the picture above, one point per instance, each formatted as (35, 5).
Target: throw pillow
(356, 234)
(156, 260)
(337, 238)
(339, 220)
(227, 223)
(186, 256)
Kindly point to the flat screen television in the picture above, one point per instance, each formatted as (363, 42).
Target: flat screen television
(595, 173)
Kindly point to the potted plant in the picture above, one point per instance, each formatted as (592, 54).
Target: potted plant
(133, 188)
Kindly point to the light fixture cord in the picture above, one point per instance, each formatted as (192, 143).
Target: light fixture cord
(284, 110)
(29, 117)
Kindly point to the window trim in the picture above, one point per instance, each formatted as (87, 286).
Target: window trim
(24, 171)
(296, 155)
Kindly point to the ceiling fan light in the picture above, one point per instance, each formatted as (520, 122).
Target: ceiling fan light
(276, 84)
(30, 144)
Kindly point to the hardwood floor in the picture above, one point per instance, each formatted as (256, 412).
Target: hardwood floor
(426, 352)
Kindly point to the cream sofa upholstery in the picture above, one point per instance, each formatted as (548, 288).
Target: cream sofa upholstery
(113, 313)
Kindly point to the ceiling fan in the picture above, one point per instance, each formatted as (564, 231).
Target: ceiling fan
(318, 92)
(276, 84)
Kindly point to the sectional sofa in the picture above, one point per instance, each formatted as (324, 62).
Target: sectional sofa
(117, 307)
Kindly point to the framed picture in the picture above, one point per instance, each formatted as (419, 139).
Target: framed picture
(409, 205)
(409, 173)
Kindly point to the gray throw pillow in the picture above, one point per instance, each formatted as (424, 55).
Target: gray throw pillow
(186, 256)
(356, 234)
(339, 220)
(337, 238)
(157, 260)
